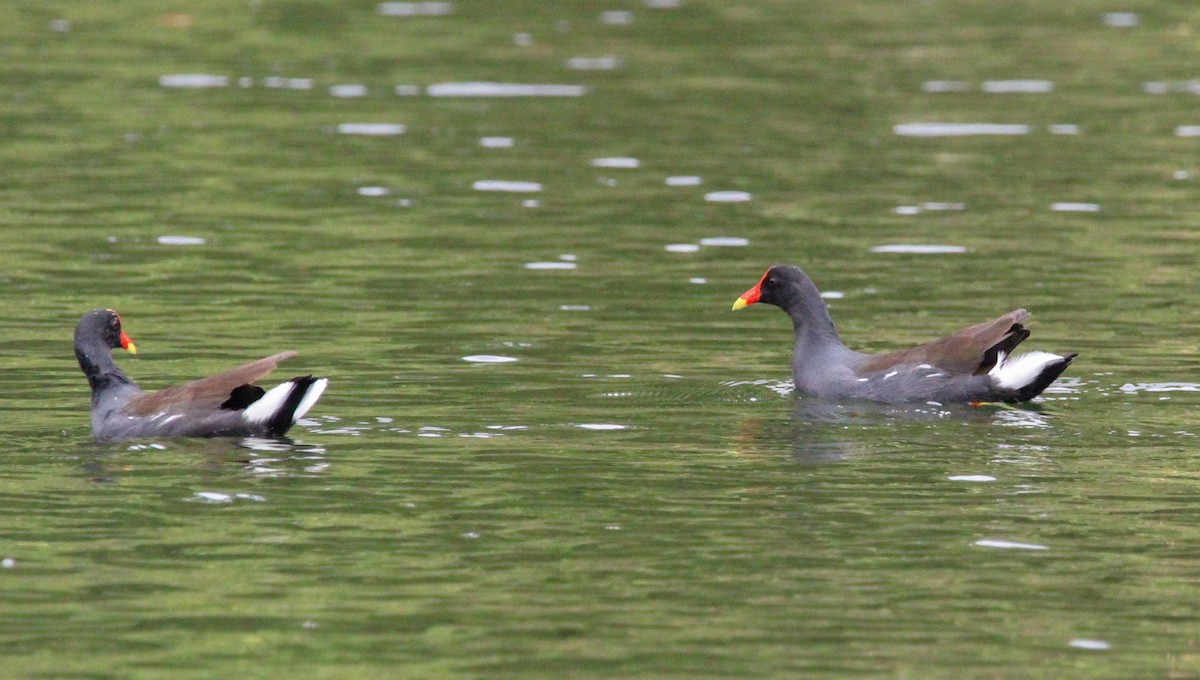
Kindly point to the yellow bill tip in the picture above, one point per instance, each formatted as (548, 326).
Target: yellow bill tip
(739, 303)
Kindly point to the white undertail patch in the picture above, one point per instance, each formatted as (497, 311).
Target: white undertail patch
(1022, 369)
(310, 398)
(269, 404)
(266, 406)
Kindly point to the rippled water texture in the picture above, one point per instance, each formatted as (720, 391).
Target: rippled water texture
(510, 235)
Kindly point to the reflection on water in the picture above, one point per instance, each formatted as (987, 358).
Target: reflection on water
(616, 17)
(1085, 643)
(348, 91)
(616, 162)
(415, 9)
(1167, 87)
(931, 206)
(1133, 388)
(1122, 19)
(372, 129)
(593, 63)
(919, 249)
(1019, 86)
(936, 86)
(193, 80)
(727, 196)
(218, 497)
(484, 89)
(1008, 545)
(725, 241)
(279, 83)
(959, 129)
(180, 240)
(506, 185)
(1075, 207)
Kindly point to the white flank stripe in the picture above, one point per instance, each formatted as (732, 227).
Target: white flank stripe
(310, 398)
(266, 406)
(1021, 370)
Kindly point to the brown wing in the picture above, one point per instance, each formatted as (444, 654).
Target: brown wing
(206, 393)
(971, 350)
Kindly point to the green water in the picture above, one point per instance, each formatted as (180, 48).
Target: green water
(436, 517)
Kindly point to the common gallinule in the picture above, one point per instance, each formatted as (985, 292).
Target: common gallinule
(228, 404)
(972, 365)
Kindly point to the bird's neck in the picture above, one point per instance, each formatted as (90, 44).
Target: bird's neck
(97, 364)
(810, 317)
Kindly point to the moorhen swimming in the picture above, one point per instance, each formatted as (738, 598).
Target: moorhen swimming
(224, 405)
(972, 365)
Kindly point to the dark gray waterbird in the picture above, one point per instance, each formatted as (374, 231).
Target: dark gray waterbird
(974, 364)
(228, 404)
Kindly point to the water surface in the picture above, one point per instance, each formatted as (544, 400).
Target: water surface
(591, 467)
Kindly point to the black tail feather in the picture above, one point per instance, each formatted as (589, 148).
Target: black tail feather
(1016, 335)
